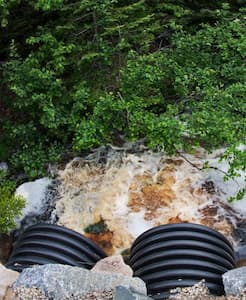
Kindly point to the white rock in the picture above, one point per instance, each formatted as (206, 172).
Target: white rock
(34, 193)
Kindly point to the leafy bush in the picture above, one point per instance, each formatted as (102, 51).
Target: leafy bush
(34, 158)
(85, 73)
(10, 205)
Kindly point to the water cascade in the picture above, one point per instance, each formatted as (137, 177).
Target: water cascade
(115, 194)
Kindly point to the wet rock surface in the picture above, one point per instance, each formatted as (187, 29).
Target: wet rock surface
(133, 192)
(131, 189)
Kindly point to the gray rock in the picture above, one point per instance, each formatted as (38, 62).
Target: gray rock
(123, 293)
(234, 281)
(59, 282)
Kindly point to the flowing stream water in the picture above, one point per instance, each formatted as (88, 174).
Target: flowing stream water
(115, 194)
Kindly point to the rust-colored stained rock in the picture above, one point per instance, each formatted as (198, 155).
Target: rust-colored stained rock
(222, 225)
(157, 195)
(220, 222)
(174, 161)
(121, 237)
(151, 198)
(113, 264)
(175, 220)
(139, 181)
(146, 194)
(164, 177)
(103, 239)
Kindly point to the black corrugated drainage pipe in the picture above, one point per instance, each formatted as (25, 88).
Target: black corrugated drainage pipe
(47, 243)
(179, 255)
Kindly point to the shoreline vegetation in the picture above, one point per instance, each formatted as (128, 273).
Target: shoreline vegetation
(75, 75)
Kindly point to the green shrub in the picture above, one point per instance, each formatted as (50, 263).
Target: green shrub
(85, 73)
(10, 205)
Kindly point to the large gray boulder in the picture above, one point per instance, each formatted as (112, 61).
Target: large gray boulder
(234, 281)
(59, 282)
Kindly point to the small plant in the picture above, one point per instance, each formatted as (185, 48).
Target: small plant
(10, 204)
(97, 228)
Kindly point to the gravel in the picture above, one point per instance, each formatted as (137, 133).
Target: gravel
(201, 292)
(29, 294)
(196, 292)
(35, 294)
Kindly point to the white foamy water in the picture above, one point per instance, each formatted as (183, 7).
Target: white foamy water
(226, 189)
(137, 224)
(34, 192)
(134, 192)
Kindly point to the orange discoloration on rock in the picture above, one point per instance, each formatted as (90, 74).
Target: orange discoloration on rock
(136, 200)
(132, 189)
(175, 220)
(149, 194)
(139, 181)
(103, 239)
(120, 238)
(223, 226)
(176, 162)
(166, 173)
(165, 179)
(157, 195)
(197, 192)
(211, 217)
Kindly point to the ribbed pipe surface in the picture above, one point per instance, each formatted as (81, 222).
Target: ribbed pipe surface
(49, 243)
(178, 255)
